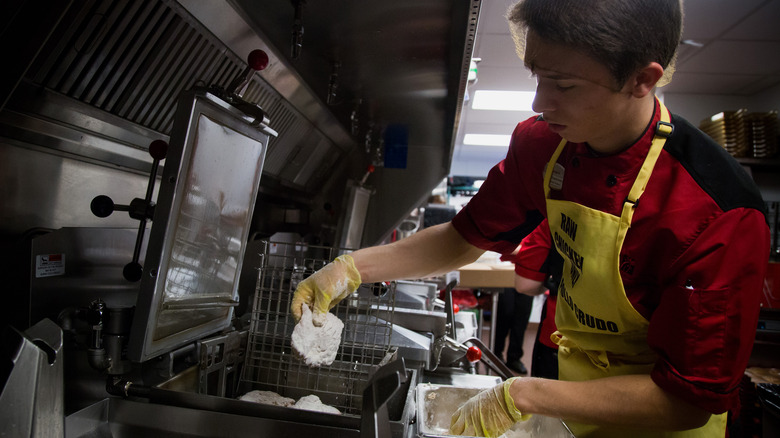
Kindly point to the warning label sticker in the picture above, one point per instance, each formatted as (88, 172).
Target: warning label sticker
(49, 265)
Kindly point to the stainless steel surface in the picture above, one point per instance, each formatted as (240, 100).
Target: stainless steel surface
(226, 22)
(459, 378)
(271, 363)
(416, 294)
(133, 71)
(417, 320)
(42, 190)
(46, 118)
(201, 226)
(92, 262)
(104, 84)
(92, 97)
(119, 418)
(91, 269)
(417, 328)
(437, 403)
(353, 217)
(380, 389)
(414, 347)
(32, 396)
(221, 358)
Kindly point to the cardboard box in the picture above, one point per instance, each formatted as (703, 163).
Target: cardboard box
(487, 275)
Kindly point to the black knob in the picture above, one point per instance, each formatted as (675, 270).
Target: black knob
(102, 206)
(158, 149)
(132, 271)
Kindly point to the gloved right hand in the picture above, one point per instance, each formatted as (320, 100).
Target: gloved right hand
(489, 413)
(325, 288)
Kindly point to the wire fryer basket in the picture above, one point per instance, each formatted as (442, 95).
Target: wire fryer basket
(270, 362)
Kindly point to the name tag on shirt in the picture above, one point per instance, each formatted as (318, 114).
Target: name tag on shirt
(556, 179)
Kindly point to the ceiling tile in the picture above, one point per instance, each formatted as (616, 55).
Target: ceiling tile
(491, 17)
(761, 84)
(735, 57)
(761, 25)
(708, 19)
(696, 83)
(688, 49)
(497, 50)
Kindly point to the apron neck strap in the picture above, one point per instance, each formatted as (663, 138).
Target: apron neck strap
(663, 130)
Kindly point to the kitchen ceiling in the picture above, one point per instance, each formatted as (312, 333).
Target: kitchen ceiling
(733, 48)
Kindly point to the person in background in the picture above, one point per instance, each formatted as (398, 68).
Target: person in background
(512, 314)
(663, 234)
(538, 271)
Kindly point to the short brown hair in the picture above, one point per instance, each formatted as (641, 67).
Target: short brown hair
(623, 35)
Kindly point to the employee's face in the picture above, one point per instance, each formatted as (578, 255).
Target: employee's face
(576, 94)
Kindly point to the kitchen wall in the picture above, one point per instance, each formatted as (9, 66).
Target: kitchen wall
(697, 107)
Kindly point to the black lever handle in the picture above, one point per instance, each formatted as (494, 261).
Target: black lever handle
(103, 206)
(140, 209)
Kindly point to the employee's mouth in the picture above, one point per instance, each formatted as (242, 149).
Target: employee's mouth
(554, 127)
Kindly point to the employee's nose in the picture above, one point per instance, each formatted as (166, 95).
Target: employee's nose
(541, 101)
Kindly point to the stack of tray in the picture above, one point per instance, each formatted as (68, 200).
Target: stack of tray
(728, 129)
(743, 133)
(763, 133)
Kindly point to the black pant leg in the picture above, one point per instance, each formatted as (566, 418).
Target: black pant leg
(521, 314)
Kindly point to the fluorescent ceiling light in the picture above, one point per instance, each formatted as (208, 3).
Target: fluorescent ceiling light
(487, 140)
(503, 100)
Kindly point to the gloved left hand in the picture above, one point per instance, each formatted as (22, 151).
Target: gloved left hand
(489, 413)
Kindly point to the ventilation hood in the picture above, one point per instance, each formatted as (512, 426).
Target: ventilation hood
(371, 83)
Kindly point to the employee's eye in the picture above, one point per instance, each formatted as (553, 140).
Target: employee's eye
(563, 86)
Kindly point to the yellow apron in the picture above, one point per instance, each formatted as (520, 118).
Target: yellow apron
(600, 334)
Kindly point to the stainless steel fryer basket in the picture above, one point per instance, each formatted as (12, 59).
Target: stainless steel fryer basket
(270, 362)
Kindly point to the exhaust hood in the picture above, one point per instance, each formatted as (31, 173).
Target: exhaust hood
(370, 83)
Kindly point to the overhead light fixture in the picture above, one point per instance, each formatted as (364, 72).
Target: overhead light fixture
(693, 43)
(501, 100)
(473, 69)
(487, 140)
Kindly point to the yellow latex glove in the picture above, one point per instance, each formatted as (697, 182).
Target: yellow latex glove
(325, 288)
(489, 413)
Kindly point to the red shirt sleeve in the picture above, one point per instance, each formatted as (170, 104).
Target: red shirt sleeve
(705, 323)
(510, 203)
(533, 253)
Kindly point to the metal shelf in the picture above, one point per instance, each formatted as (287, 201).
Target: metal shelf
(760, 162)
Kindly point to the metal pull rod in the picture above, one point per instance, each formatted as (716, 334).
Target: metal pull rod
(141, 209)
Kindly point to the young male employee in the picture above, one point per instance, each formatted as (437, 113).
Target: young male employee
(663, 236)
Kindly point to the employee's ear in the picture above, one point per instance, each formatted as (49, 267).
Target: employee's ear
(645, 79)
